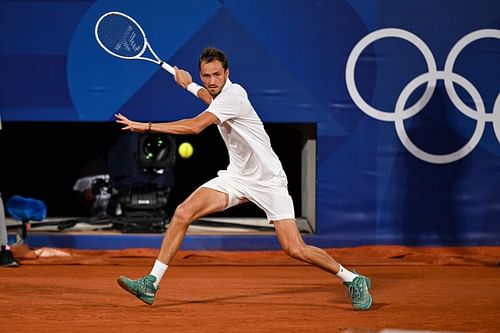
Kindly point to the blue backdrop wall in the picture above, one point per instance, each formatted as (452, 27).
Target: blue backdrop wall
(405, 95)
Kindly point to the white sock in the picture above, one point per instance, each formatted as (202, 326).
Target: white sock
(158, 270)
(345, 275)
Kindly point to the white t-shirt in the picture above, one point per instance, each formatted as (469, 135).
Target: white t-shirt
(248, 145)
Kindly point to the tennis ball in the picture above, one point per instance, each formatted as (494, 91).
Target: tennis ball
(185, 150)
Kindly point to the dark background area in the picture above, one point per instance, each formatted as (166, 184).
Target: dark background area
(43, 160)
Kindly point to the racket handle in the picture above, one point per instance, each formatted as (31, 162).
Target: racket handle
(167, 67)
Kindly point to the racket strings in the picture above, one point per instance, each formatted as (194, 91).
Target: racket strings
(121, 36)
(128, 41)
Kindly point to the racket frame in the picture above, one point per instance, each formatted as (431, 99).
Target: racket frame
(139, 56)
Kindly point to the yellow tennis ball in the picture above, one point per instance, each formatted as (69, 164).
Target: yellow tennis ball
(185, 150)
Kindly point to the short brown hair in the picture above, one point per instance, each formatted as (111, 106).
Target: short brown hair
(210, 54)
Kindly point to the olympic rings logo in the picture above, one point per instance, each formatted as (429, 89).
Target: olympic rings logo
(447, 75)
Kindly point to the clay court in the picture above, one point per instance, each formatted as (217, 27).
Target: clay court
(424, 289)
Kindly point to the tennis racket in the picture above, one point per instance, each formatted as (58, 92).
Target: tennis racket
(121, 36)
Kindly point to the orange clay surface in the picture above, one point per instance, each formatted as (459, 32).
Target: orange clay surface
(428, 289)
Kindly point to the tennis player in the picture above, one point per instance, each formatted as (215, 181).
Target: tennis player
(254, 174)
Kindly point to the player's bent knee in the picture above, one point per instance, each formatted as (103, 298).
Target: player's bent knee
(295, 251)
(183, 215)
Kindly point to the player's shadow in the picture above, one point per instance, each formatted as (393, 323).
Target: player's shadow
(234, 299)
(340, 302)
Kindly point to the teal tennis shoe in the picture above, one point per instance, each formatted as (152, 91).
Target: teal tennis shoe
(359, 292)
(142, 288)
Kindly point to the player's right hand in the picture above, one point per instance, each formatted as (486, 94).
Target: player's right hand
(182, 77)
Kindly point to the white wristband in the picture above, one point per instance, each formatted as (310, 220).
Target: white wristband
(193, 88)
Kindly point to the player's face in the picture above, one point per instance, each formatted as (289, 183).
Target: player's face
(213, 76)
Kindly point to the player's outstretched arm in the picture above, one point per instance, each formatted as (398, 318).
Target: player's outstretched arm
(184, 79)
(184, 126)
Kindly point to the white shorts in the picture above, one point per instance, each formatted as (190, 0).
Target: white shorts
(269, 195)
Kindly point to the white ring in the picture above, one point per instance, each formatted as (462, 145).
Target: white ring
(450, 62)
(496, 117)
(447, 75)
(351, 66)
(480, 120)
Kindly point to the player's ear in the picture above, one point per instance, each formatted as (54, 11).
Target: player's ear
(227, 73)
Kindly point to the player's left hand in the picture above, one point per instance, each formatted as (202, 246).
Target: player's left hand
(129, 125)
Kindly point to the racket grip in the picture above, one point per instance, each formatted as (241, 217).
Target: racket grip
(167, 67)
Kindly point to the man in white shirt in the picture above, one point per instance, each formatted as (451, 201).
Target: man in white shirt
(254, 174)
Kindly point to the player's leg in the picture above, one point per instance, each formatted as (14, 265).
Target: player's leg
(201, 202)
(272, 196)
(292, 243)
